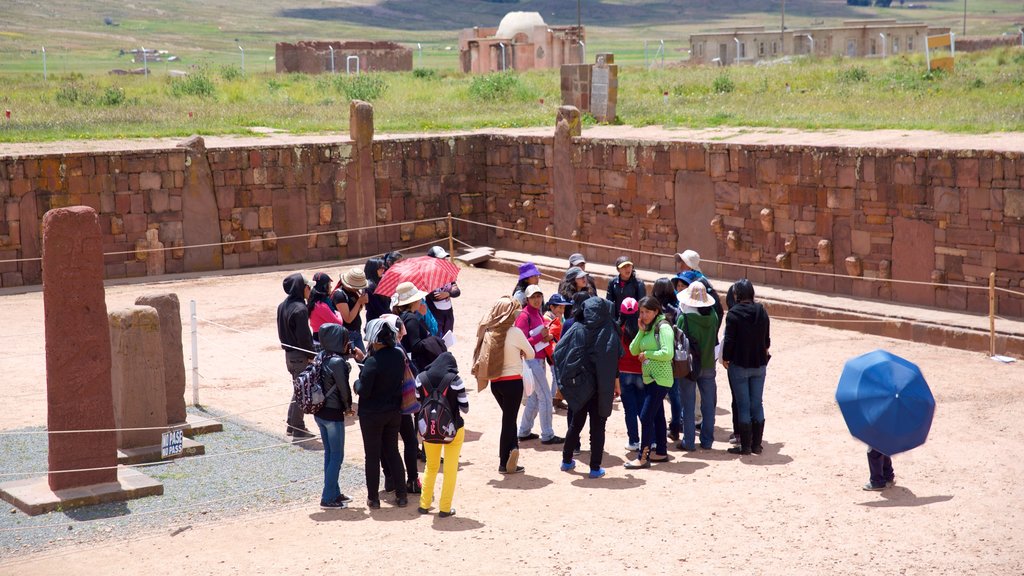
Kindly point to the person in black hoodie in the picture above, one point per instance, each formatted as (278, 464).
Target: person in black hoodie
(380, 410)
(443, 373)
(625, 285)
(331, 416)
(588, 362)
(297, 342)
(745, 357)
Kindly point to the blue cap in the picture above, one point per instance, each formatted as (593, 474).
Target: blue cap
(689, 277)
(558, 300)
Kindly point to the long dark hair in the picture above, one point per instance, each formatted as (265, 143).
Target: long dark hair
(372, 269)
(665, 292)
(629, 325)
(651, 303)
(320, 292)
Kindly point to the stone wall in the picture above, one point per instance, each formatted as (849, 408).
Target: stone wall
(312, 57)
(923, 215)
(979, 43)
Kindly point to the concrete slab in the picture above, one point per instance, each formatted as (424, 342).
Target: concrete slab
(476, 256)
(141, 454)
(196, 425)
(33, 496)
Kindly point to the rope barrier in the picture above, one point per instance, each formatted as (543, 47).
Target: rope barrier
(840, 320)
(249, 241)
(162, 462)
(1008, 291)
(168, 509)
(724, 263)
(364, 259)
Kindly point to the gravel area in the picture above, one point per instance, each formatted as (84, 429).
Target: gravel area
(196, 490)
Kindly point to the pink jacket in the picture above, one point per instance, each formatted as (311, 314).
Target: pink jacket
(531, 323)
(322, 314)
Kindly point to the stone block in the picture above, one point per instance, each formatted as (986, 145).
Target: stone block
(34, 496)
(150, 181)
(137, 375)
(967, 172)
(946, 200)
(169, 311)
(360, 122)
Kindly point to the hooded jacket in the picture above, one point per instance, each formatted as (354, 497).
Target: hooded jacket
(619, 290)
(442, 372)
(747, 335)
(293, 318)
(336, 373)
(587, 358)
(703, 329)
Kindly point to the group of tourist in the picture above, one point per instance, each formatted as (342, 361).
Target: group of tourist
(629, 345)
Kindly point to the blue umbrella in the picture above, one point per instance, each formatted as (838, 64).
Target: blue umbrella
(885, 401)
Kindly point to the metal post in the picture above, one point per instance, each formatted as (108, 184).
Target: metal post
(503, 64)
(782, 29)
(419, 48)
(332, 58)
(882, 34)
(662, 53)
(243, 57)
(145, 63)
(737, 41)
(645, 53)
(348, 64)
(992, 314)
(583, 52)
(195, 355)
(44, 63)
(965, 17)
(451, 240)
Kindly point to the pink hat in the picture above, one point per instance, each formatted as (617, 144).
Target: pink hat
(629, 306)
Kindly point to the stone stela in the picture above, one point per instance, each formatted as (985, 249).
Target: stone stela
(592, 88)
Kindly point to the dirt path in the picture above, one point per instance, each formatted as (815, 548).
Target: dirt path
(798, 508)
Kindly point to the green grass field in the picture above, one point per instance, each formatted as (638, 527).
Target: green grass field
(80, 100)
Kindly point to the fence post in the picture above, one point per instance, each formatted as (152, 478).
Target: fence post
(992, 314)
(451, 240)
(195, 355)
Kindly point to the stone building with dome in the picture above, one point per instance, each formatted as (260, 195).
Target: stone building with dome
(522, 41)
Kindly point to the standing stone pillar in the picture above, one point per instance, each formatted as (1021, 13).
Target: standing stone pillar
(360, 193)
(169, 310)
(137, 377)
(566, 215)
(200, 222)
(78, 365)
(604, 88)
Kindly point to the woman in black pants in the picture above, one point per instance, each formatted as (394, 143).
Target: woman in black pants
(500, 350)
(380, 402)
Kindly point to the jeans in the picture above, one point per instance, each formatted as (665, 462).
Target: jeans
(708, 398)
(451, 470)
(675, 403)
(356, 338)
(631, 390)
(380, 440)
(687, 390)
(332, 433)
(296, 362)
(597, 425)
(880, 466)
(652, 419)
(539, 402)
(508, 393)
(748, 389)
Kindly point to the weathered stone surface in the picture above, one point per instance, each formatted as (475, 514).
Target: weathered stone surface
(913, 258)
(199, 210)
(360, 189)
(77, 349)
(169, 310)
(566, 215)
(137, 375)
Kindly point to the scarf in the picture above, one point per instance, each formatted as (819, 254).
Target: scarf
(490, 338)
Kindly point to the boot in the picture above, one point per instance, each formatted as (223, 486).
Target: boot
(745, 434)
(757, 433)
(643, 460)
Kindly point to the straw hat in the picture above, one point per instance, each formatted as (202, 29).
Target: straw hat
(690, 258)
(355, 279)
(696, 296)
(407, 293)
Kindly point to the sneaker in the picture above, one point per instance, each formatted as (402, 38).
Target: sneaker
(444, 514)
(422, 510)
(301, 433)
(414, 487)
(734, 439)
(632, 446)
(373, 504)
(553, 440)
(566, 466)
(402, 502)
(890, 482)
(517, 470)
(336, 505)
(599, 473)
(872, 488)
(344, 499)
(528, 437)
(513, 460)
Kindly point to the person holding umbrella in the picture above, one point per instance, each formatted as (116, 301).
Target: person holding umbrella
(439, 300)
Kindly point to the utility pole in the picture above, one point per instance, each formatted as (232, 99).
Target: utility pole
(782, 31)
(965, 17)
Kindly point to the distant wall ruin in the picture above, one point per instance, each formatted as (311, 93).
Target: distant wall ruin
(314, 57)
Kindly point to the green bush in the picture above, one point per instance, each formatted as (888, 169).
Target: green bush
(425, 74)
(73, 93)
(197, 83)
(852, 74)
(231, 72)
(498, 86)
(368, 87)
(112, 96)
(723, 84)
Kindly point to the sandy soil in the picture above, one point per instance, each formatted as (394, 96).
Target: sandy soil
(798, 508)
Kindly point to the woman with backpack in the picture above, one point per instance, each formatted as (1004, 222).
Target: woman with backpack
(380, 410)
(330, 418)
(654, 347)
(440, 382)
(698, 321)
(631, 383)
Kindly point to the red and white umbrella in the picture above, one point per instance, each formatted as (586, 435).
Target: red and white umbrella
(426, 272)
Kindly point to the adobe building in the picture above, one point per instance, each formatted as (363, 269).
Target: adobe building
(522, 41)
(314, 57)
(854, 39)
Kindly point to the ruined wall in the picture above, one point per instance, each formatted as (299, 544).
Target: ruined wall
(979, 43)
(315, 57)
(924, 215)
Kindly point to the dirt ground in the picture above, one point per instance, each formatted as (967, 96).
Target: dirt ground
(798, 508)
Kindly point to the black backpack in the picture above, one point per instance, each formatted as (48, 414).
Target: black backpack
(309, 385)
(435, 421)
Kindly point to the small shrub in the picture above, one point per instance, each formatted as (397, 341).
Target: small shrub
(1018, 58)
(274, 85)
(73, 93)
(723, 84)
(112, 96)
(197, 83)
(853, 74)
(230, 72)
(977, 83)
(496, 86)
(368, 87)
(425, 74)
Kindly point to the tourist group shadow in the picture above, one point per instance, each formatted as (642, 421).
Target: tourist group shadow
(901, 496)
(392, 514)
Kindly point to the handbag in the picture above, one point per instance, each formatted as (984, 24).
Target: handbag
(410, 403)
(528, 383)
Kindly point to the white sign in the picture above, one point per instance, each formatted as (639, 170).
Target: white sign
(171, 443)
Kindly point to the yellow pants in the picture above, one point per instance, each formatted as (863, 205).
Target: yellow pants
(451, 470)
